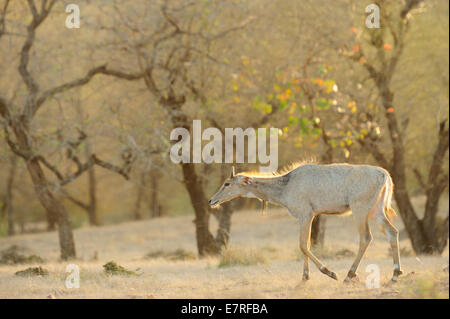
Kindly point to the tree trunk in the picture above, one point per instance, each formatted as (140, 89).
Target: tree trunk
(437, 183)
(46, 197)
(140, 195)
(54, 207)
(155, 205)
(224, 218)
(318, 231)
(51, 221)
(224, 228)
(206, 244)
(223, 215)
(8, 208)
(423, 239)
(413, 224)
(92, 207)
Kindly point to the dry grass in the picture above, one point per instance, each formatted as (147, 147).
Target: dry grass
(178, 254)
(232, 256)
(263, 262)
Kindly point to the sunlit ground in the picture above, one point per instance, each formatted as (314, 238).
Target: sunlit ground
(268, 243)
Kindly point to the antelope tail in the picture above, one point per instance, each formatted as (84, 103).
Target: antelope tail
(389, 211)
(390, 214)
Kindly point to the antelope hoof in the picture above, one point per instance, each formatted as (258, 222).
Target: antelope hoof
(305, 277)
(351, 277)
(325, 271)
(397, 272)
(333, 275)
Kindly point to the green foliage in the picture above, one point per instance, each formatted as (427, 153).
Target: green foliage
(261, 106)
(32, 272)
(425, 287)
(322, 103)
(304, 125)
(112, 268)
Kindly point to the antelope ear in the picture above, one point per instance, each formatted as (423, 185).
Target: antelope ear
(232, 172)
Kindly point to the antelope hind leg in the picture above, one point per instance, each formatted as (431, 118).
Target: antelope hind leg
(365, 238)
(392, 235)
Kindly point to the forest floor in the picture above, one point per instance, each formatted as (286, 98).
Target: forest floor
(263, 261)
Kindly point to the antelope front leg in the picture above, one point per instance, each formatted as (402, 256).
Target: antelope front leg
(305, 239)
(305, 268)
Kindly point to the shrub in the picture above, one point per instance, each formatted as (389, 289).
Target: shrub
(32, 271)
(112, 268)
(15, 255)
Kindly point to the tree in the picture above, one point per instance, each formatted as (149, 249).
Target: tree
(18, 131)
(429, 234)
(172, 54)
(7, 208)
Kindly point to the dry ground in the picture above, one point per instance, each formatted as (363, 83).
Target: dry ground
(271, 238)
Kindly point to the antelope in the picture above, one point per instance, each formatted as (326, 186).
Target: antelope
(308, 190)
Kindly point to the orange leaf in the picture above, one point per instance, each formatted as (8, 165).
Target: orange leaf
(356, 48)
(387, 47)
(319, 81)
(354, 30)
(390, 110)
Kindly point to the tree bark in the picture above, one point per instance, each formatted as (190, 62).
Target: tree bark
(427, 237)
(92, 207)
(140, 195)
(318, 231)
(54, 207)
(8, 208)
(156, 209)
(46, 197)
(224, 218)
(206, 244)
(421, 232)
(436, 184)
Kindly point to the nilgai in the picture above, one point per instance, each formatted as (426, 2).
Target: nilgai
(308, 190)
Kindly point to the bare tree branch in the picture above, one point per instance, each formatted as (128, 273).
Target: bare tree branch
(74, 200)
(3, 18)
(409, 6)
(119, 170)
(4, 111)
(419, 178)
(49, 166)
(14, 147)
(38, 18)
(82, 81)
(376, 153)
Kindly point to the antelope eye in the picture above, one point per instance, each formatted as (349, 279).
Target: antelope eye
(226, 184)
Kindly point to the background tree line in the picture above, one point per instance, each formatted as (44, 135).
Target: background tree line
(86, 113)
